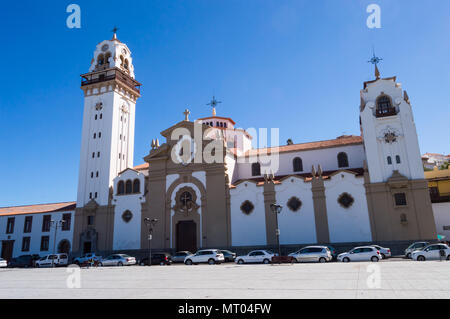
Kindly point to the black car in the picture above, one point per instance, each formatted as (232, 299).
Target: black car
(158, 259)
(229, 256)
(25, 261)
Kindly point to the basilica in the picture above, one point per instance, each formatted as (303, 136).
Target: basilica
(203, 184)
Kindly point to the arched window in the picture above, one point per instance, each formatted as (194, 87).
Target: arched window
(397, 159)
(107, 56)
(100, 59)
(125, 65)
(128, 187)
(389, 160)
(384, 106)
(298, 164)
(256, 169)
(120, 188)
(342, 160)
(136, 186)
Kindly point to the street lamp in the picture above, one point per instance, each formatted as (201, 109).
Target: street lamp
(277, 210)
(59, 223)
(150, 225)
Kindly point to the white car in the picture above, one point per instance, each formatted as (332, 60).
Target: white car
(57, 260)
(415, 246)
(432, 252)
(365, 253)
(320, 254)
(256, 256)
(3, 263)
(118, 260)
(210, 256)
(385, 252)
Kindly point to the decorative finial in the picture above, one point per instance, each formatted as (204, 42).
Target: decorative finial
(375, 60)
(186, 115)
(214, 103)
(115, 33)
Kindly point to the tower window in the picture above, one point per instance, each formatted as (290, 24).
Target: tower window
(90, 195)
(95, 117)
(101, 116)
(389, 160)
(96, 175)
(384, 106)
(297, 164)
(96, 194)
(92, 174)
(98, 154)
(400, 199)
(128, 187)
(342, 160)
(95, 135)
(93, 154)
(99, 134)
(397, 159)
(256, 169)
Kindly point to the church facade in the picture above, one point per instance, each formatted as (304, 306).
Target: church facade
(207, 187)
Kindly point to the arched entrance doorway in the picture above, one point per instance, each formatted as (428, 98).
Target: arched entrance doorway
(186, 236)
(64, 247)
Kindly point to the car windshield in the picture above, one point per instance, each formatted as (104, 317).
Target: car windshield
(269, 252)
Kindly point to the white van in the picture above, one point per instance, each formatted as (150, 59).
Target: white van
(58, 260)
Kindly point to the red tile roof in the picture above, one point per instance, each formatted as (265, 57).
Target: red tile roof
(141, 167)
(37, 209)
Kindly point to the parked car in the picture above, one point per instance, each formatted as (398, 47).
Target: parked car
(180, 256)
(86, 257)
(256, 256)
(333, 251)
(432, 252)
(229, 256)
(312, 254)
(415, 246)
(24, 261)
(385, 252)
(210, 256)
(58, 260)
(157, 259)
(365, 253)
(3, 263)
(118, 260)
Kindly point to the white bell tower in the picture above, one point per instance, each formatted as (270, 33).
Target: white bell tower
(107, 146)
(389, 131)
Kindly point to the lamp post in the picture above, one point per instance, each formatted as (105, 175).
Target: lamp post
(56, 224)
(277, 210)
(150, 225)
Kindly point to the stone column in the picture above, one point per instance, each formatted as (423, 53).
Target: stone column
(320, 209)
(269, 198)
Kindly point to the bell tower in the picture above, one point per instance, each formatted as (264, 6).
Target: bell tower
(110, 95)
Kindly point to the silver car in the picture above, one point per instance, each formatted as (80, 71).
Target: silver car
(180, 256)
(313, 254)
(3, 263)
(415, 246)
(118, 260)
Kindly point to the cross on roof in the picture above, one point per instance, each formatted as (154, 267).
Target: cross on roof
(214, 103)
(375, 60)
(186, 114)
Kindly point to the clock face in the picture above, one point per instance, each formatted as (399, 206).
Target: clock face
(185, 150)
(105, 47)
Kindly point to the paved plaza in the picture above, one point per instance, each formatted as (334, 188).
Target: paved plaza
(386, 279)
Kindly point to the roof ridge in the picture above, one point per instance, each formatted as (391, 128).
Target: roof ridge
(69, 202)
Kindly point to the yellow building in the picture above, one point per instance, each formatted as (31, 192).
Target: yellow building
(439, 184)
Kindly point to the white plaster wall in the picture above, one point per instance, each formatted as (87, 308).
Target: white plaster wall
(441, 212)
(347, 224)
(281, 164)
(36, 233)
(407, 145)
(296, 227)
(128, 235)
(248, 230)
(201, 176)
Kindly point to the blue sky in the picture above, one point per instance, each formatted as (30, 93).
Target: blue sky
(297, 65)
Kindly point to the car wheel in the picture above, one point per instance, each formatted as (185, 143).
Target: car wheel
(211, 261)
(383, 256)
(421, 258)
(188, 262)
(448, 257)
(374, 259)
(241, 262)
(346, 260)
(408, 255)
(266, 261)
(322, 260)
(37, 265)
(120, 264)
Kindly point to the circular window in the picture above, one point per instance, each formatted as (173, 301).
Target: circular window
(247, 207)
(294, 204)
(346, 200)
(127, 216)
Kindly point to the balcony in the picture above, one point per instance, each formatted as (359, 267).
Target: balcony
(110, 75)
